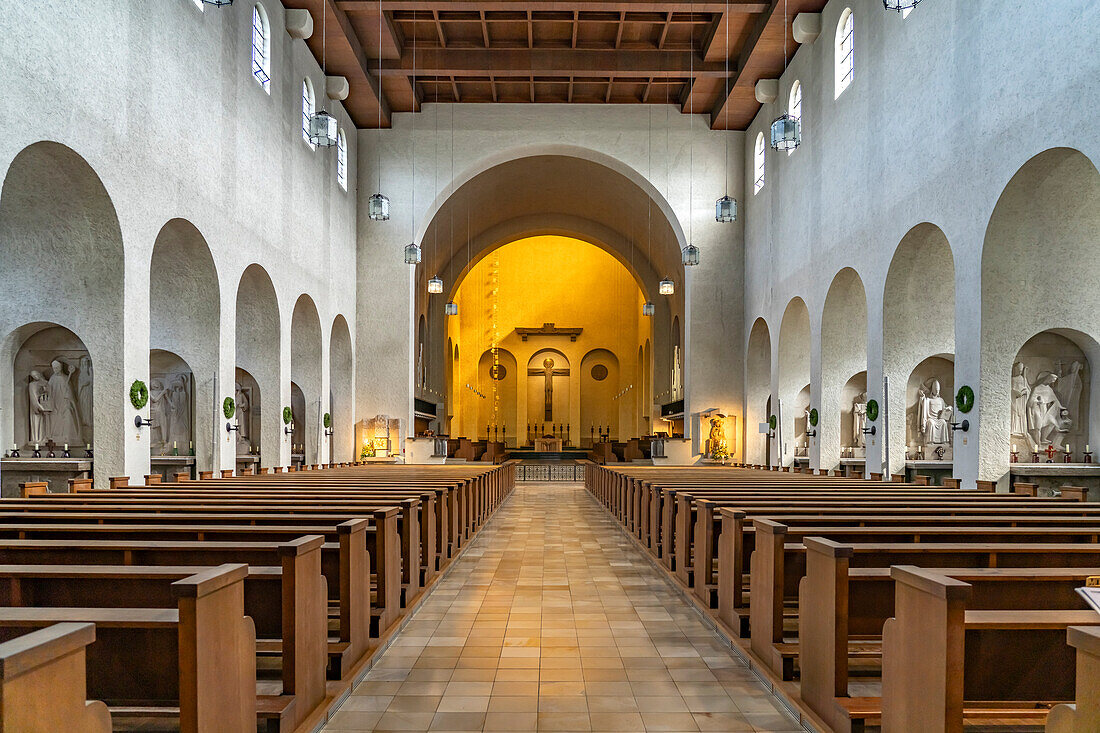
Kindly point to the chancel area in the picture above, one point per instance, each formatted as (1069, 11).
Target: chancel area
(600, 366)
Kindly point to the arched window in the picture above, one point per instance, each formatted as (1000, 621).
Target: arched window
(845, 50)
(758, 164)
(342, 159)
(308, 109)
(794, 106)
(261, 48)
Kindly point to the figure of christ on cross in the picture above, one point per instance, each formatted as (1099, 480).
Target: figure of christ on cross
(548, 372)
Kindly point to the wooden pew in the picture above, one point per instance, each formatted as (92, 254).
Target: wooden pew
(1083, 715)
(195, 661)
(43, 683)
(943, 663)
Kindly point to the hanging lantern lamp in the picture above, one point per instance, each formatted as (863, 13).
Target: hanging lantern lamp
(378, 207)
(648, 309)
(900, 5)
(435, 285)
(666, 287)
(451, 309)
(412, 254)
(689, 256)
(786, 132)
(725, 210)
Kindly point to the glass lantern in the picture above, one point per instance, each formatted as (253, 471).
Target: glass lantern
(378, 207)
(451, 309)
(322, 129)
(786, 132)
(648, 309)
(689, 256)
(435, 285)
(725, 210)
(412, 254)
(666, 287)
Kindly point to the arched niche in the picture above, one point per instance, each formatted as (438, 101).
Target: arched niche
(248, 417)
(172, 407)
(548, 385)
(62, 263)
(1051, 394)
(647, 387)
(497, 379)
(53, 386)
(341, 392)
(843, 353)
(918, 322)
(298, 446)
(1039, 274)
(758, 387)
(600, 387)
(258, 347)
(852, 417)
(794, 373)
(184, 327)
(929, 400)
(305, 371)
(421, 364)
(802, 423)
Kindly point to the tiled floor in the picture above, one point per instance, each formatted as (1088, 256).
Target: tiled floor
(553, 621)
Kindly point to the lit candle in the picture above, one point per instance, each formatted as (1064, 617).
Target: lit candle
(87, 446)
(66, 446)
(1014, 448)
(1067, 447)
(173, 444)
(1087, 448)
(36, 446)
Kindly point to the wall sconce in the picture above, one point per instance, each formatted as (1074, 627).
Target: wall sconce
(963, 426)
(288, 429)
(140, 422)
(230, 427)
(869, 431)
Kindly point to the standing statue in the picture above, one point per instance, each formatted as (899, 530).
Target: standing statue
(84, 395)
(859, 419)
(158, 412)
(39, 398)
(244, 435)
(1021, 391)
(677, 381)
(1045, 413)
(935, 415)
(64, 421)
(179, 418)
(719, 450)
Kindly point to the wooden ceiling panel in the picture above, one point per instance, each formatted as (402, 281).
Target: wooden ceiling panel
(548, 51)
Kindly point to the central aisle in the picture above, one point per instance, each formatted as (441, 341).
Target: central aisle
(553, 621)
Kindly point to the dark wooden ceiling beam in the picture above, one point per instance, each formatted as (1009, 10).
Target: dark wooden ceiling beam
(708, 6)
(520, 62)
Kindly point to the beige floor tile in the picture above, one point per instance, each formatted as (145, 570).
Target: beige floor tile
(616, 721)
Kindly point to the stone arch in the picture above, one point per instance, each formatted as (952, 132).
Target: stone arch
(843, 353)
(918, 319)
(599, 404)
(499, 407)
(305, 371)
(1039, 274)
(794, 372)
(342, 391)
(185, 320)
(258, 331)
(758, 388)
(62, 262)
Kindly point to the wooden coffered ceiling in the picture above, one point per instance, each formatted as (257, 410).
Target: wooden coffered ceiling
(544, 51)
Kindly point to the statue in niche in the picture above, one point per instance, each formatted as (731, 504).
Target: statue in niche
(178, 418)
(1046, 415)
(677, 384)
(158, 411)
(1021, 391)
(84, 395)
(420, 366)
(934, 415)
(244, 435)
(64, 420)
(39, 398)
(859, 419)
(719, 450)
(1068, 386)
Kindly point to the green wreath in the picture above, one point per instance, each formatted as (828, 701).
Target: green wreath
(772, 422)
(288, 416)
(813, 418)
(964, 400)
(872, 410)
(327, 420)
(139, 394)
(229, 408)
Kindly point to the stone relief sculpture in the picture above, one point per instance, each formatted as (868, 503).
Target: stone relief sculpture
(38, 396)
(935, 415)
(859, 419)
(1021, 391)
(1049, 397)
(244, 415)
(84, 394)
(64, 421)
(158, 411)
(677, 383)
(180, 418)
(1047, 417)
(1068, 387)
(170, 411)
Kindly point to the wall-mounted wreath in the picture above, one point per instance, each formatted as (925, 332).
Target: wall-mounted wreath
(872, 410)
(139, 394)
(327, 420)
(229, 408)
(964, 400)
(772, 422)
(288, 416)
(813, 418)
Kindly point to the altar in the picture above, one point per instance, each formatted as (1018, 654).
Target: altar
(548, 445)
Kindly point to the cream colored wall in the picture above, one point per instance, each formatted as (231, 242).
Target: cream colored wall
(527, 283)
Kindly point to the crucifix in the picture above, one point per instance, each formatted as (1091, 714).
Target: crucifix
(548, 372)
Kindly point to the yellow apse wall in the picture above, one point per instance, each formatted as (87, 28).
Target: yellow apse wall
(527, 283)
